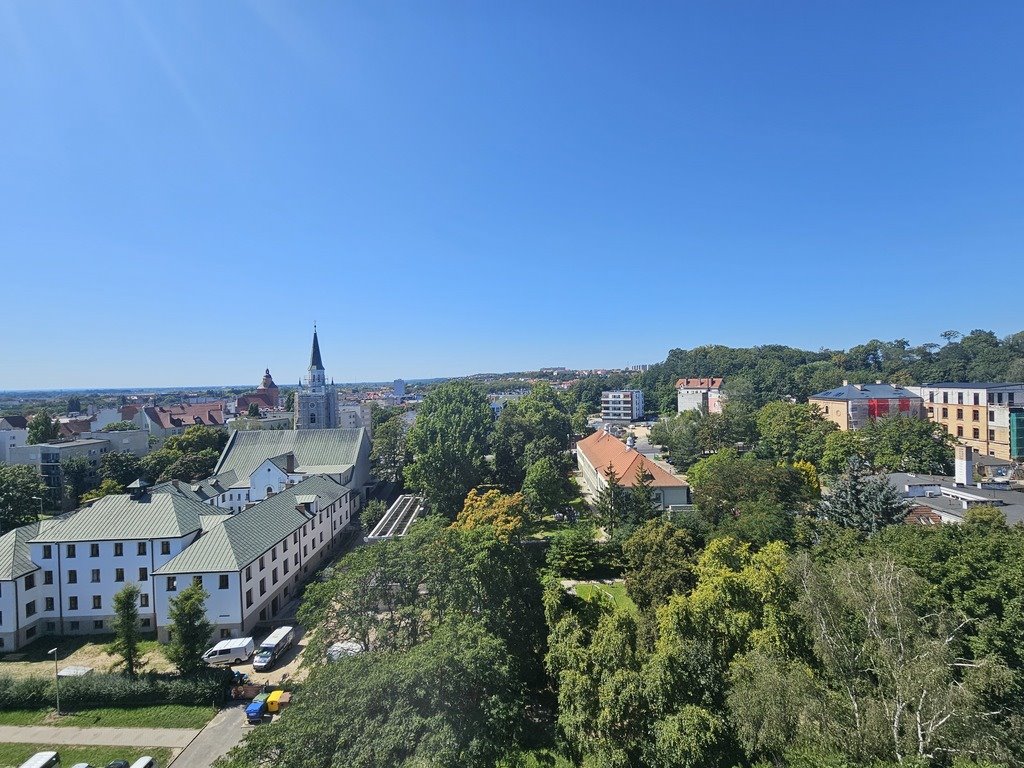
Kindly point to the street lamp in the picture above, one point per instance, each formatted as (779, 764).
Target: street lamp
(56, 677)
(40, 500)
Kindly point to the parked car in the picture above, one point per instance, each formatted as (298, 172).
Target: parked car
(233, 651)
(271, 649)
(118, 764)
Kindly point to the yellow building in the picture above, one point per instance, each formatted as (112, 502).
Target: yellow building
(989, 417)
(852, 406)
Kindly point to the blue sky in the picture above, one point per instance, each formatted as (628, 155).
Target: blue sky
(457, 187)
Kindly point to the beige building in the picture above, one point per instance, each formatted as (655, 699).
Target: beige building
(987, 416)
(853, 406)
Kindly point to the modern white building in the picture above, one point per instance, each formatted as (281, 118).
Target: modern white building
(60, 576)
(13, 434)
(622, 405)
(695, 394)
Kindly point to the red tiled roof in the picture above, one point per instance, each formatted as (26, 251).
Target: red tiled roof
(208, 414)
(711, 383)
(128, 412)
(262, 399)
(922, 516)
(603, 449)
(75, 427)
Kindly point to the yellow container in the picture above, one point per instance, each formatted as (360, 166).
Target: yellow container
(274, 701)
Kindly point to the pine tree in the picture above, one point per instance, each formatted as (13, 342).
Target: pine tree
(642, 503)
(608, 507)
(190, 631)
(126, 629)
(867, 504)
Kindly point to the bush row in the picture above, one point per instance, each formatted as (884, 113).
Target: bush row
(94, 691)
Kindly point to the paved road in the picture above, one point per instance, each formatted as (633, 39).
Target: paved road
(220, 735)
(175, 738)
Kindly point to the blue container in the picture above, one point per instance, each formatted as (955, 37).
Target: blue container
(255, 711)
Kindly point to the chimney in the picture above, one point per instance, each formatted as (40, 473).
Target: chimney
(846, 382)
(175, 484)
(964, 465)
(878, 381)
(289, 463)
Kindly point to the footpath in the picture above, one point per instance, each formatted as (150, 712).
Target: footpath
(174, 738)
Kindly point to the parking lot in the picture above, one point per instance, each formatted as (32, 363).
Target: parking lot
(286, 668)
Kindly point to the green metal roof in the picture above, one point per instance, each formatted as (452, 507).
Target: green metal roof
(152, 516)
(243, 537)
(335, 449)
(14, 555)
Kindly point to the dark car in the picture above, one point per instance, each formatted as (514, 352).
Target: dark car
(117, 764)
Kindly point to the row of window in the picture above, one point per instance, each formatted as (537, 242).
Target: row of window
(71, 550)
(975, 414)
(172, 582)
(94, 577)
(263, 583)
(976, 433)
(49, 605)
(994, 398)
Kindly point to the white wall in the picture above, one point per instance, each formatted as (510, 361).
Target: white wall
(11, 438)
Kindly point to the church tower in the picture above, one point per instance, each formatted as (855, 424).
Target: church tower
(316, 403)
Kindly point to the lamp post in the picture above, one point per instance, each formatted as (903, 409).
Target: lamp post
(56, 678)
(40, 500)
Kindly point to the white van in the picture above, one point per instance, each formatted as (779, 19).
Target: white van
(42, 760)
(277, 642)
(144, 762)
(233, 651)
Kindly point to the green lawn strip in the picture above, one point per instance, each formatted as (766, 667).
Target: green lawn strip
(616, 592)
(159, 716)
(13, 755)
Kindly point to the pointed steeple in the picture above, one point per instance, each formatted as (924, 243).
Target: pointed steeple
(314, 359)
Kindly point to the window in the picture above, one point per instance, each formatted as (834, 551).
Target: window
(144, 622)
(71, 550)
(273, 554)
(118, 549)
(960, 413)
(143, 600)
(976, 433)
(285, 567)
(931, 397)
(141, 548)
(47, 577)
(991, 397)
(74, 626)
(197, 580)
(72, 577)
(119, 574)
(248, 598)
(295, 559)
(991, 434)
(977, 397)
(223, 581)
(30, 632)
(30, 609)
(143, 574)
(945, 397)
(248, 572)
(975, 415)
(263, 587)
(263, 615)
(98, 624)
(30, 581)
(991, 415)
(97, 602)
(959, 398)
(295, 538)
(95, 576)
(959, 431)
(945, 413)
(72, 603)
(94, 550)
(1009, 397)
(47, 552)
(999, 397)
(165, 547)
(172, 583)
(284, 545)
(273, 576)
(261, 562)
(49, 604)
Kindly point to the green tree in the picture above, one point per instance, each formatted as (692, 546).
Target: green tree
(105, 488)
(155, 464)
(190, 631)
(42, 429)
(122, 467)
(253, 412)
(862, 502)
(642, 504)
(611, 504)
(723, 483)
(74, 405)
(449, 442)
(127, 633)
(192, 466)
(793, 432)
(530, 428)
(289, 400)
(390, 449)
(77, 477)
(546, 488)
(659, 559)
(20, 491)
(120, 426)
(198, 438)
(372, 514)
(573, 553)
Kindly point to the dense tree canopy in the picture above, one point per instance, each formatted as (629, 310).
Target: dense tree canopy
(533, 427)
(20, 491)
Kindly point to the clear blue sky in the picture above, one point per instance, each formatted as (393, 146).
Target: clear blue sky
(458, 187)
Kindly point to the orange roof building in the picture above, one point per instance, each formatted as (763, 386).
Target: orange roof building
(602, 452)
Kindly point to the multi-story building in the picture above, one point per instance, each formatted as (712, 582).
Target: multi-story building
(60, 576)
(163, 421)
(356, 415)
(13, 434)
(853, 406)
(316, 402)
(622, 405)
(987, 416)
(601, 453)
(699, 394)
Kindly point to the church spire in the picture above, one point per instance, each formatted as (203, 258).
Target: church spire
(314, 359)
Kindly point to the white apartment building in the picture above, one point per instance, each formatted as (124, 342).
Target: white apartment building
(13, 434)
(696, 394)
(60, 576)
(622, 405)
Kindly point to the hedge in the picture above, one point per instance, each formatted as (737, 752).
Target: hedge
(115, 690)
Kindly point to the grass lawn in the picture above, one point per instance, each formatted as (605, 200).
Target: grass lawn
(13, 755)
(162, 716)
(615, 592)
